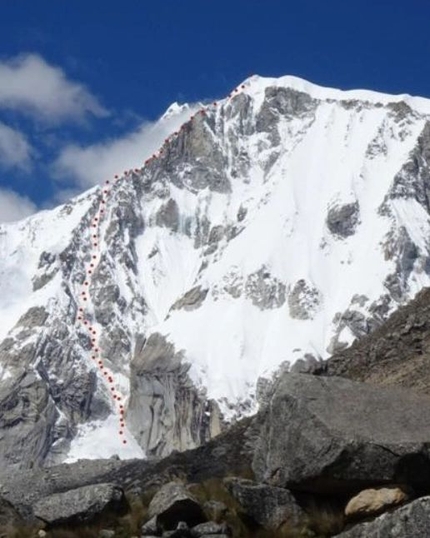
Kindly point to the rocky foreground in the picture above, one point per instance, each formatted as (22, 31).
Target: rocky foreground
(325, 456)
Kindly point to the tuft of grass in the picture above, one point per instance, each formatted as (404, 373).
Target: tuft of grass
(18, 531)
(130, 524)
(87, 531)
(326, 518)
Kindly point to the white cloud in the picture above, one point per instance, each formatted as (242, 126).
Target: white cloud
(15, 151)
(14, 207)
(29, 84)
(94, 164)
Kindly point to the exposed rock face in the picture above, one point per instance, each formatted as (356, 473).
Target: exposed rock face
(308, 365)
(166, 411)
(343, 219)
(414, 178)
(332, 434)
(34, 317)
(397, 353)
(371, 502)
(303, 300)
(269, 506)
(168, 216)
(264, 290)
(192, 299)
(78, 505)
(411, 520)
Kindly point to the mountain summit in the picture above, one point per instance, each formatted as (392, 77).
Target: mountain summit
(272, 229)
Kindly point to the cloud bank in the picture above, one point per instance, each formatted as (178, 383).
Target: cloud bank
(15, 151)
(14, 207)
(32, 86)
(88, 166)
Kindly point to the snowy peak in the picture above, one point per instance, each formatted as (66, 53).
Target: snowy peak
(174, 110)
(258, 85)
(271, 229)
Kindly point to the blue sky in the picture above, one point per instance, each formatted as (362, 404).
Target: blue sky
(80, 81)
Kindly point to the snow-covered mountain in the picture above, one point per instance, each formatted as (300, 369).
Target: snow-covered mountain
(272, 228)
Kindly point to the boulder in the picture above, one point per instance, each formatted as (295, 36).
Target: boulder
(342, 220)
(173, 504)
(209, 528)
(268, 506)
(333, 435)
(150, 528)
(8, 514)
(80, 504)
(410, 521)
(371, 502)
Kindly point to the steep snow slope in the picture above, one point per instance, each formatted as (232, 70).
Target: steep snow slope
(274, 228)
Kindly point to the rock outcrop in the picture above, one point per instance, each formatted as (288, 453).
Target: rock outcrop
(79, 505)
(166, 411)
(331, 434)
(173, 504)
(268, 506)
(395, 354)
(316, 441)
(343, 219)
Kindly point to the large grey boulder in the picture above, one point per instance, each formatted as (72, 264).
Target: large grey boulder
(173, 504)
(410, 521)
(80, 504)
(269, 506)
(331, 434)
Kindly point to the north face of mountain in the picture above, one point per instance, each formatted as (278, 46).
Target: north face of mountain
(272, 229)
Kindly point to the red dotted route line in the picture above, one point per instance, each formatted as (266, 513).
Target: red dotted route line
(84, 316)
